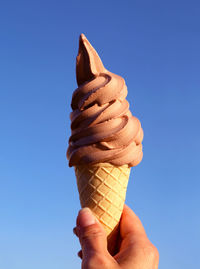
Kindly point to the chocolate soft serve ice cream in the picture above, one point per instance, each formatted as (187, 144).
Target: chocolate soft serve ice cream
(103, 130)
(105, 139)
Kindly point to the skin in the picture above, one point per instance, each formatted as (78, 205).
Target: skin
(135, 250)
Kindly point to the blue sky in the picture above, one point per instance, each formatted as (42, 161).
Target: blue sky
(154, 45)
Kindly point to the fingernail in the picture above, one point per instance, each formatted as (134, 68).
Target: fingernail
(86, 217)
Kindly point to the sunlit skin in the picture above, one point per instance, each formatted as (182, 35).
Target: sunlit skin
(135, 250)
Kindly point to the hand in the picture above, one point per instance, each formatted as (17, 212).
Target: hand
(135, 251)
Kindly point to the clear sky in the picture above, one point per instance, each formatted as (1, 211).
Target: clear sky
(155, 46)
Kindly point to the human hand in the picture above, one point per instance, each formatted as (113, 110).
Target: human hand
(135, 251)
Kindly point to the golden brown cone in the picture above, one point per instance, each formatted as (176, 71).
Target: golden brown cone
(102, 187)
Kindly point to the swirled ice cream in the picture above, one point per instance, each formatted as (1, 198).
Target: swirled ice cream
(103, 130)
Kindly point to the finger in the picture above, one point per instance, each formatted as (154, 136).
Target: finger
(130, 224)
(75, 231)
(91, 234)
(80, 254)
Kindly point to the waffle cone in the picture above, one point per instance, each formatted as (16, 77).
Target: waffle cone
(102, 188)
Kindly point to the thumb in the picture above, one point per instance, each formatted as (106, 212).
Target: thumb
(91, 234)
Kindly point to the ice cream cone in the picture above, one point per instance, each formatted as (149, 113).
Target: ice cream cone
(105, 141)
(102, 188)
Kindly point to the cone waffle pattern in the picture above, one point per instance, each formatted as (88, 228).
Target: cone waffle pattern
(102, 188)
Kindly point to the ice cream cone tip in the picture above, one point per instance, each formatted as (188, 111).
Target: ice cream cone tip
(88, 62)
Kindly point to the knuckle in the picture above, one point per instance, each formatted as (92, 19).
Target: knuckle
(98, 261)
(152, 253)
(91, 232)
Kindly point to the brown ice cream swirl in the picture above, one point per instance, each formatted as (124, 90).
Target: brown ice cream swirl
(103, 129)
